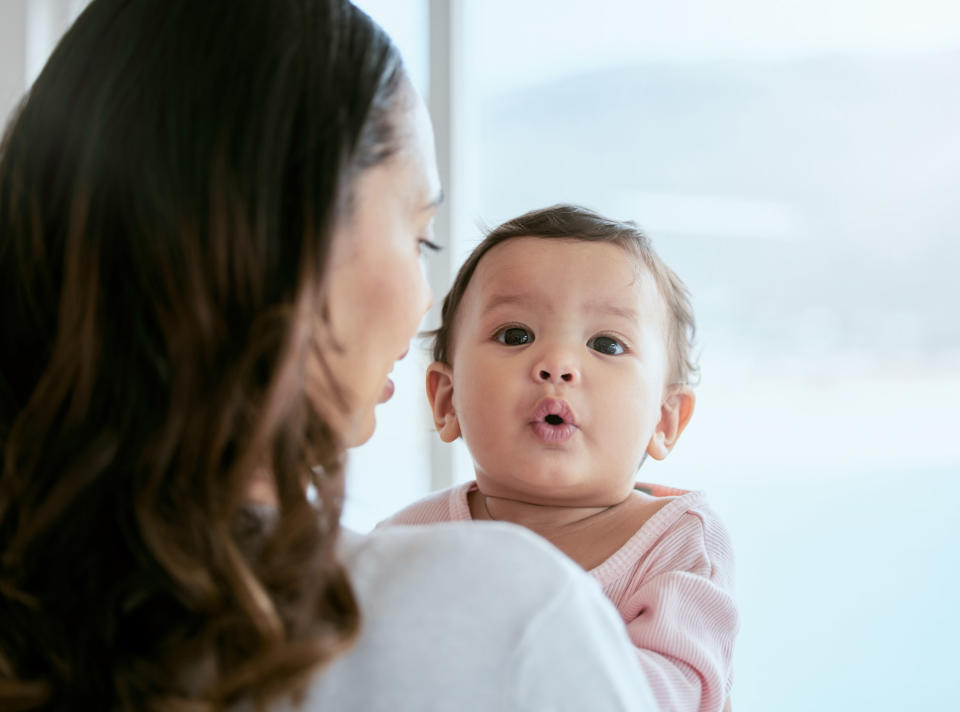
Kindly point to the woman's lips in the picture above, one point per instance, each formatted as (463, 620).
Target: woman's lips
(387, 392)
(388, 387)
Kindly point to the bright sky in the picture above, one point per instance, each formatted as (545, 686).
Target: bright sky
(514, 43)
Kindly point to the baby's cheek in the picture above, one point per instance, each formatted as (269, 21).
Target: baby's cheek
(629, 437)
(480, 423)
(481, 443)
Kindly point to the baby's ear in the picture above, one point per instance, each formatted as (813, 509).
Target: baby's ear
(440, 395)
(675, 412)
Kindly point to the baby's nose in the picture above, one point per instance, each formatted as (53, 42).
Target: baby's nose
(556, 370)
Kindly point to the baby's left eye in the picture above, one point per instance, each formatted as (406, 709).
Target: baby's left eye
(606, 345)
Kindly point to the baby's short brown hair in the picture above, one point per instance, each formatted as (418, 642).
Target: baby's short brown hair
(575, 222)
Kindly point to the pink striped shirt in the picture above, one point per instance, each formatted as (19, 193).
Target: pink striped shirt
(672, 583)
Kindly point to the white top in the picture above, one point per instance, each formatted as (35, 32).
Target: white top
(476, 616)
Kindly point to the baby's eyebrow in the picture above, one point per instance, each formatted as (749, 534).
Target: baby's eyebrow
(499, 300)
(597, 307)
(613, 309)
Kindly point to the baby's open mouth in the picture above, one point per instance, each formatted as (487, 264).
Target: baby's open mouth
(553, 421)
(553, 412)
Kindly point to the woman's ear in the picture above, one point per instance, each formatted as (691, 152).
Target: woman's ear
(440, 395)
(675, 412)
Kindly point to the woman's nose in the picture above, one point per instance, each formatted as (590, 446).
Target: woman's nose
(556, 367)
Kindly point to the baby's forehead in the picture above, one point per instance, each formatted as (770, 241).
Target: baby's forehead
(529, 264)
(559, 278)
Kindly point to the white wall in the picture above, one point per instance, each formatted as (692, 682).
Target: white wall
(29, 30)
(13, 53)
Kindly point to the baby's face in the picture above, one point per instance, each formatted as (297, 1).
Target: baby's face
(559, 370)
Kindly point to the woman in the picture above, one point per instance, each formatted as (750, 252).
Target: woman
(211, 215)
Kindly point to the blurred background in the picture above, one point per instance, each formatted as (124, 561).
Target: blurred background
(798, 165)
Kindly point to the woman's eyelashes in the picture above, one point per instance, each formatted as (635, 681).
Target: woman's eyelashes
(423, 242)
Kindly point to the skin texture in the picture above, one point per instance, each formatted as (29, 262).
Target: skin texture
(378, 291)
(569, 302)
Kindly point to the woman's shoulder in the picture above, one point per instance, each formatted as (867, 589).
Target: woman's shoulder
(401, 557)
(476, 616)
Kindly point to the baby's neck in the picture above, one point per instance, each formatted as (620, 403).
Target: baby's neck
(541, 518)
(588, 535)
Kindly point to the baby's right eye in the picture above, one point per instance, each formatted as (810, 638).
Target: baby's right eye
(514, 336)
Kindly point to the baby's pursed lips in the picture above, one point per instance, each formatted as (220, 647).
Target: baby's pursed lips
(554, 412)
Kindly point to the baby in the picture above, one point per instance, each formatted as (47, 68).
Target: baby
(563, 360)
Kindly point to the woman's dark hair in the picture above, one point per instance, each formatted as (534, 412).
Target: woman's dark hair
(565, 221)
(168, 190)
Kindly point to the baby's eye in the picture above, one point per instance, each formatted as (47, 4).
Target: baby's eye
(606, 345)
(514, 336)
